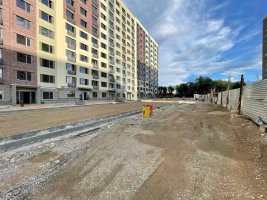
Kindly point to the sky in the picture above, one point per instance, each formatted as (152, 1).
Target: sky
(214, 38)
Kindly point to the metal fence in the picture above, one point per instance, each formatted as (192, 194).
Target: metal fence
(254, 101)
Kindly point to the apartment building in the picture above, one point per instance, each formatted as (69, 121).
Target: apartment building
(147, 59)
(264, 49)
(59, 51)
(18, 69)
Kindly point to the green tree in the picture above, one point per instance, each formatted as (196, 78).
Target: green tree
(170, 90)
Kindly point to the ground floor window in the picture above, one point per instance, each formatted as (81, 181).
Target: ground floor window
(71, 94)
(48, 95)
(95, 94)
(104, 95)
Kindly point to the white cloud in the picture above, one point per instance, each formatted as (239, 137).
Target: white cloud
(192, 41)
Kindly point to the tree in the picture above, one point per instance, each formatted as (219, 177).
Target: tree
(162, 91)
(170, 90)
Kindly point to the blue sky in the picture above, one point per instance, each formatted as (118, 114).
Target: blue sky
(213, 38)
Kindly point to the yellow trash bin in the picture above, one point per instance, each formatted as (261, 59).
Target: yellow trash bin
(147, 111)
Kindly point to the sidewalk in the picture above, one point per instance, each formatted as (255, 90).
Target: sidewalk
(10, 108)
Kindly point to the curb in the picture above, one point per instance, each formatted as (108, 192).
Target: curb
(23, 139)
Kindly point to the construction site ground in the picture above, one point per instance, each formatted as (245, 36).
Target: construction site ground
(187, 151)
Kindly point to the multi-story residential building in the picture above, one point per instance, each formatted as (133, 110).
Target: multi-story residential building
(147, 58)
(59, 51)
(264, 49)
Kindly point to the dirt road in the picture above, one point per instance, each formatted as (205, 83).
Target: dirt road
(14, 123)
(187, 151)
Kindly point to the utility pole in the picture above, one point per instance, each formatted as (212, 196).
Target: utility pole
(240, 94)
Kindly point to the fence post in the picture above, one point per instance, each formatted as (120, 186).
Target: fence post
(240, 94)
(222, 97)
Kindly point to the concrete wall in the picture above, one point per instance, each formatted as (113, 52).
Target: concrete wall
(5, 91)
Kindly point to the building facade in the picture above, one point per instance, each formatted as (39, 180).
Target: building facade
(264, 49)
(60, 51)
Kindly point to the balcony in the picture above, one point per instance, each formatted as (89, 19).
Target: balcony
(95, 2)
(1, 81)
(70, 33)
(71, 20)
(111, 53)
(71, 72)
(95, 45)
(111, 44)
(96, 87)
(72, 85)
(95, 77)
(95, 66)
(111, 71)
(71, 46)
(95, 34)
(111, 62)
(72, 59)
(71, 7)
(95, 55)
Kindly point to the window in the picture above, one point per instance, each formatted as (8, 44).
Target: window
(103, 55)
(84, 81)
(70, 2)
(48, 95)
(23, 22)
(46, 17)
(1, 73)
(94, 30)
(71, 94)
(103, 36)
(84, 70)
(71, 80)
(46, 32)
(71, 42)
(83, 23)
(104, 65)
(103, 26)
(94, 20)
(94, 94)
(24, 76)
(103, 16)
(95, 12)
(48, 3)
(84, 47)
(104, 46)
(103, 6)
(83, 58)
(83, 11)
(84, 1)
(83, 35)
(94, 41)
(70, 28)
(70, 54)
(21, 57)
(23, 40)
(103, 84)
(47, 48)
(47, 63)
(70, 67)
(104, 95)
(103, 74)
(47, 78)
(23, 5)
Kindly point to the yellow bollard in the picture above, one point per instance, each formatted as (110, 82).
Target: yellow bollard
(147, 111)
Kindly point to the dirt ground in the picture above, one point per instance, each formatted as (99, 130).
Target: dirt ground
(20, 122)
(185, 152)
